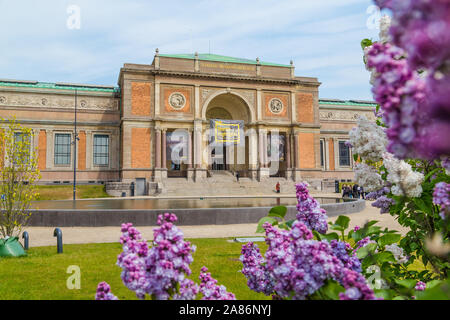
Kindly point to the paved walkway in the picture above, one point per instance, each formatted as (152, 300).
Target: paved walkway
(43, 236)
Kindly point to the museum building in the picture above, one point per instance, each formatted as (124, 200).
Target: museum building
(166, 120)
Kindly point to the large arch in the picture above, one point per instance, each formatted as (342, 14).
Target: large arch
(234, 103)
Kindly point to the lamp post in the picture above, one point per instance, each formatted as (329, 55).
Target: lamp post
(75, 151)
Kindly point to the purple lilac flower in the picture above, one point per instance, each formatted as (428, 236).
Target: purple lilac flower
(188, 290)
(356, 228)
(309, 211)
(420, 28)
(441, 197)
(420, 286)
(343, 251)
(104, 292)
(383, 203)
(400, 92)
(356, 287)
(210, 289)
(168, 260)
(374, 195)
(258, 277)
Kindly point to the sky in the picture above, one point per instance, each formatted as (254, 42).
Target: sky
(89, 41)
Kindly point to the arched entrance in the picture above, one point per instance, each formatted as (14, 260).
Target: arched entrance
(234, 157)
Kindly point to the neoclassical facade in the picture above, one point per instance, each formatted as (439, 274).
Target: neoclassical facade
(131, 132)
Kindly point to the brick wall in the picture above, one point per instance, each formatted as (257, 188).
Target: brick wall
(141, 98)
(307, 151)
(305, 108)
(140, 148)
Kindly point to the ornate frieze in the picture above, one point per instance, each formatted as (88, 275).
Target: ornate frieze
(345, 115)
(57, 102)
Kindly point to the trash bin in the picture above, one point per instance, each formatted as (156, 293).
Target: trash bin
(124, 194)
(336, 186)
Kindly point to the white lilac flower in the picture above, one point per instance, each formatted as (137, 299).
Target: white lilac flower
(405, 181)
(398, 253)
(385, 24)
(368, 140)
(368, 177)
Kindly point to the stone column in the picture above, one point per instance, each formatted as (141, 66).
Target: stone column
(89, 149)
(263, 168)
(296, 158)
(189, 148)
(50, 152)
(158, 148)
(200, 173)
(288, 156)
(164, 154)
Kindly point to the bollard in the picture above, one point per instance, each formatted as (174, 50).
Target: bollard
(26, 239)
(58, 234)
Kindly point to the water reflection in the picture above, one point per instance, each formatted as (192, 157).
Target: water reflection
(161, 204)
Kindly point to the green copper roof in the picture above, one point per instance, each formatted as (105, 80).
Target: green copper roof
(348, 103)
(58, 86)
(219, 58)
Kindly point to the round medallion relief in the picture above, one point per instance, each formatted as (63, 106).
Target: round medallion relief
(276, 105)
(83, 103)
(44, 101)
(2, 99)
(177, 100)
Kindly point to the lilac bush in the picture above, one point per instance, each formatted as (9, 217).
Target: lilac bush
(161, 271)
(296, 266)
(309, 211)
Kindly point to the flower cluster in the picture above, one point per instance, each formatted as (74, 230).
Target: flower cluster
(383, 203)
(104, 292)
(441, 197)
(405, 181)
(368, 140)
(161, 271)
(258, 277)
(420, 28)
(420, 286)
(400, 92)
(210, 289)
(309, 211)
(368, 177)
(398, 253)
(374, 195)
(344, 252)
(356, 287)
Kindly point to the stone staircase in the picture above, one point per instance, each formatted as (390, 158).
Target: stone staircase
(225, 183)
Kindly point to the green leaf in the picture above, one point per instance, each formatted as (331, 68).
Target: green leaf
(260, 229)
(363, 252)
(407, 283)
(427, 208)
(389, 238)
(330, 236)
(278, 211)
(366, 43)
(383, 257)
(343, 221)
(331, 290)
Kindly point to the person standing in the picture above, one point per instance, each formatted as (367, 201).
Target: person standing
(278, 187)
(355, 191)
(237, 176)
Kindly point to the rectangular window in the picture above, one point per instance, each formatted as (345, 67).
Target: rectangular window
(63, 147)
(344, 154)
(321, 154)
(24, 151)
(101, 150)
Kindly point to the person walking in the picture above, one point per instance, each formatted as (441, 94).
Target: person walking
(237, 176)
(277, 187)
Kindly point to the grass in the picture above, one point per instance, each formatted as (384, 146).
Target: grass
(42, 275)
(66, 192)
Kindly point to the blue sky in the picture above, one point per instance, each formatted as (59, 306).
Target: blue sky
(322, 37)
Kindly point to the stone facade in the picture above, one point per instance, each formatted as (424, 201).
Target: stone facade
(136, 120)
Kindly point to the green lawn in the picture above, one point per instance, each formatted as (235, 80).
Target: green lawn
(42, 274)
(66, 192)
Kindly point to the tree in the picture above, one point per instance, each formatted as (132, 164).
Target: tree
(18, 174)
